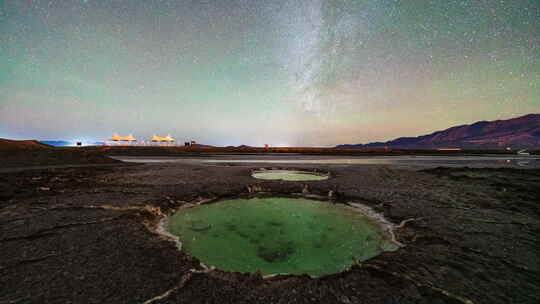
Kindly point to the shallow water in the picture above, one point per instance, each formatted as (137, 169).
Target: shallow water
(417, 162)
(278, 235)
(288, 175)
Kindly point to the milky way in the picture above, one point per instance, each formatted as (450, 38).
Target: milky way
(254, 72)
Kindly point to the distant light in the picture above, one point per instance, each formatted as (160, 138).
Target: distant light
(282, 145)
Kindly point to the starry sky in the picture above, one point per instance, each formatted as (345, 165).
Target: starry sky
(282, 72)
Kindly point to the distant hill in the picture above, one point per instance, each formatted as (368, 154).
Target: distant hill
(520, 132)
(239, 147)
(9, 144)
(21, 153)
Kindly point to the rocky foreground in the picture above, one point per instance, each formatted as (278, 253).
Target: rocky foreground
(87, 235)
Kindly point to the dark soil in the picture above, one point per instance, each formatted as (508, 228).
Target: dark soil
(86, 235)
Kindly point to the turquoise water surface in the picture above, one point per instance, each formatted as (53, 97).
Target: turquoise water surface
(278, 235)
(289, 175)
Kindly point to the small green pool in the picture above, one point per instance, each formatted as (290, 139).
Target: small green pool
(278, 235)
(288, 175)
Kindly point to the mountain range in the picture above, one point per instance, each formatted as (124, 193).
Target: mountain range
(520, 132)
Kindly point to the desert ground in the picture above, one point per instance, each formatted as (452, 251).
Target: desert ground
(85, 231)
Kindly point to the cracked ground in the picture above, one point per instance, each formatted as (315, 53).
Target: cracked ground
(87, 235)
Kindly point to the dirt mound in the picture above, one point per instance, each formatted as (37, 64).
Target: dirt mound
(22, 153)
(8, 144)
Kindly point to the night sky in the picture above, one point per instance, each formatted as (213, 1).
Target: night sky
(298, 73)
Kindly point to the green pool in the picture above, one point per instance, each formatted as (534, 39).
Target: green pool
(278, 235)
(289, 175)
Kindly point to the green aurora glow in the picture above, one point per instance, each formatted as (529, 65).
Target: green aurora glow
(301, 73)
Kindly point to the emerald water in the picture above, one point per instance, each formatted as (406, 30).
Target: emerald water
(278, 235)
(289, 175)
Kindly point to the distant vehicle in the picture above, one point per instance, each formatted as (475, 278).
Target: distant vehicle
(523, 152)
